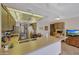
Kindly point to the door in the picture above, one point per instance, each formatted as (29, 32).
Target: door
(52, 29)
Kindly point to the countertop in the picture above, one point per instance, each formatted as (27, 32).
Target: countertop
(30, 46)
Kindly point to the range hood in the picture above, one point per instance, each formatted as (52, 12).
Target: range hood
(24, 16)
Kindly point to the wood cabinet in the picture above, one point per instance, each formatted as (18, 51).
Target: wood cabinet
(7, 21)
(4, 20)
(74, 41)
(59, 26)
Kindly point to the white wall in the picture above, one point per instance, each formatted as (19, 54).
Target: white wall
(72, 23)
(41, 24)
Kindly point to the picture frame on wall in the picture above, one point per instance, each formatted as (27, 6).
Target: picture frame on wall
(46, 28)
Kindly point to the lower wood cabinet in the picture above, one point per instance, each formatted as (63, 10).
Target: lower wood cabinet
(74, 41)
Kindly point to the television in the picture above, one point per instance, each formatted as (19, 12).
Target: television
(72, 32)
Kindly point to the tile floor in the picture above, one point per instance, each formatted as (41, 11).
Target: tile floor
(67, 50)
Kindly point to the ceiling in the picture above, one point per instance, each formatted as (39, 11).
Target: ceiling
(63, 10)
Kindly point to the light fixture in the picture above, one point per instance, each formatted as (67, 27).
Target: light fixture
(57, 18)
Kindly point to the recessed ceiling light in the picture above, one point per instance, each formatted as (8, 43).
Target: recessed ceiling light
(57, 18)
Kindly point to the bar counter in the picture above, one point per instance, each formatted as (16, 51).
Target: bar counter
(28, 47)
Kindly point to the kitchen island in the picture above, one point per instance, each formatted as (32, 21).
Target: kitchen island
(73, 41)
(40, 46)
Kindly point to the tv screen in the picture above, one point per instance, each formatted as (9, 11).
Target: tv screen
(72, 32)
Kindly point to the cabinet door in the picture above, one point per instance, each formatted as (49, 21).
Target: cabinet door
(77, 42)
(73, 42)
(7, 21)
(67, 41)
(59, 25)
(11, 22)
(4, 20)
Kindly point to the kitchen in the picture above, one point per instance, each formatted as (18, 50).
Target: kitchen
(34, 29)
(20, 34)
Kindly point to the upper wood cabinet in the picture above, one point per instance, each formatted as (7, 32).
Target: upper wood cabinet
(7, 21)
(59, 26)
(4, 20)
